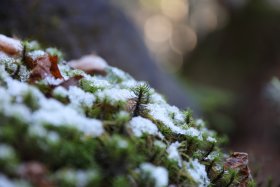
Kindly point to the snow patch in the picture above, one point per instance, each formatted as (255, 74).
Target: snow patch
(173, 153)
(192, 132)
(6, 151)
(198, 173)
(211, 139)
(159, 174)
(140, 125)
(115, 95)
(159, 112)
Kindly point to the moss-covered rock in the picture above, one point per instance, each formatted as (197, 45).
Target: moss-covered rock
(60, 126)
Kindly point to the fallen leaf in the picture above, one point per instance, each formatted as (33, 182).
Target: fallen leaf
(73, 81)
(54, 67)
(91, 64)
(10, 46)
(43, 66)
(239, 161)
(36, 173)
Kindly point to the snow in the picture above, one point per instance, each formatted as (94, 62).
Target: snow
(200, 123)
(19, 111)
(212, 155)
(115, 95)
(53, 136)
(36, 54)
(178, 115)
(140, 126)
(198, 173)
(157, 98)
(211, 139)
(79, 178)
(60, 91)
(159, 174)
(119, 73)
(129, 83)
(192, 132)
(122, 143)
(159, 112)
(6, 151)
(54, 113)
(5, 58)
(159, 144)
(97, 81)
(16, 88)
(78, 97)
(52, 81)
(173, 153)
(5, 182)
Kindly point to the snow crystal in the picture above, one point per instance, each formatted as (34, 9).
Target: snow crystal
(213, 155)
(173, 153)
(78, 97)
(37, 130)
(192, 132)
(96, 81)
(157, 98)
(115, 95)
(53, 136)
(5, 182)
(200, 123)
(211, 139)
(16, 110)
(60, 91)
(198, 173)
(6, 151)
(16, 88)
(119, 73)
(129, 83)
(52, 81)
(83, 177)
(159, 112)
(177, 114)
(140, 125)
(55, 113)
(5, 57)
(36, 54)
(122, 143)
(159, 174)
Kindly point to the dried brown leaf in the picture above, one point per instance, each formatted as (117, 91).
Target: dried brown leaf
(10, 46)
(73, 81)
(42, 67)
(239, 161)
(91, 64)
(36, 173)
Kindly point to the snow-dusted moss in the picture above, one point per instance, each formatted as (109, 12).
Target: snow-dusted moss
(98, 130)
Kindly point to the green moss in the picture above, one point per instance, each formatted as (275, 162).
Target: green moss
(74, 157)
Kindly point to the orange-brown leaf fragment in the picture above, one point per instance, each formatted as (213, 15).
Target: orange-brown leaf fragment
(43, 66)
(73, 81)
(40, 67)
(91, 64)
(36, 173)
(54, 68)
(239, 161)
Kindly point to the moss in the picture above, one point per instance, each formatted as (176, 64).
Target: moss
(113, 157)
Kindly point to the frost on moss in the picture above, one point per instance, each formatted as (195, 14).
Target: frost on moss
(97, 130)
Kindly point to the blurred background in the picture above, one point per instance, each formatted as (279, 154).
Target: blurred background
(219, 57)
